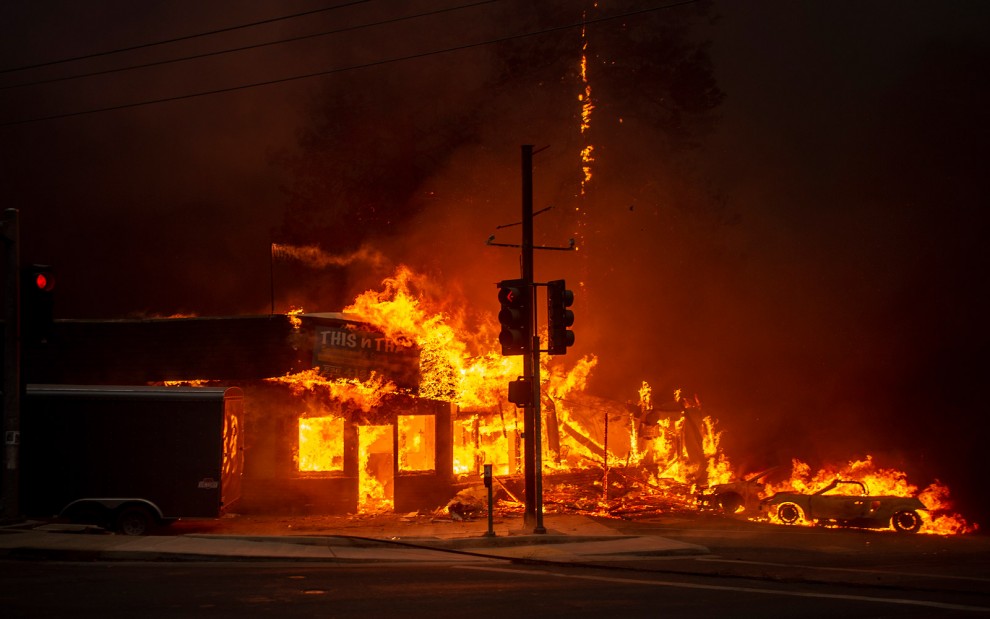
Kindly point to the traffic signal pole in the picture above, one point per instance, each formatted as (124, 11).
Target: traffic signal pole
(532, 427)
(9, 499)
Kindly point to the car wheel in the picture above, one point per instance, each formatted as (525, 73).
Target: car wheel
(788, 513)
(730, 502)
(906, 521)
(134, 520)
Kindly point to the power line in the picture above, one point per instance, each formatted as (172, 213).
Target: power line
(366, 65)
(182, 38)
(249, 47)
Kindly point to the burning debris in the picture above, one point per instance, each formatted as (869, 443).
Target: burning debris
(406, 407)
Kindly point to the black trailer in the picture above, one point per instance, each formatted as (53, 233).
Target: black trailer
(130, 457)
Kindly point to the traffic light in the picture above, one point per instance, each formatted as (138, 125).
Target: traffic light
(559, 318)
(515, 316)
(37, 303)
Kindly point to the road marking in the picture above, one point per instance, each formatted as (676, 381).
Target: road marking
(842, 569)
(686, 585)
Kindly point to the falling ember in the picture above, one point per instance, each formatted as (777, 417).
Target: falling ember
(587, 106)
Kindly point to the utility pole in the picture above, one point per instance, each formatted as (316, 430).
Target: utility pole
(532, 427)
(519, 336)
(10, 502)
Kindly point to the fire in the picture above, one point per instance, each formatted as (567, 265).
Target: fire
(492, 438)
(939, 519)
(375, 478)
(294, 320)
(364, 394)
(452, 369)
(718, 467)
(321, 444)
(608, 455)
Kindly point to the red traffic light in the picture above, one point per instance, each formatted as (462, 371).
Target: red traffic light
(38, 277)
(516, 315)
(43, 281)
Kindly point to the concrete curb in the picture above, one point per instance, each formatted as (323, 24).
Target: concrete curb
(82, 544)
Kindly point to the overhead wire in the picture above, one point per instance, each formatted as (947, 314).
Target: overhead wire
(187, 37)
(355, 67)
(248, 47)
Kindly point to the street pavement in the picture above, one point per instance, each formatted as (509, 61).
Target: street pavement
(568, 539)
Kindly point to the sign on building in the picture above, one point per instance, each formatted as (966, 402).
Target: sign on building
(349, 349)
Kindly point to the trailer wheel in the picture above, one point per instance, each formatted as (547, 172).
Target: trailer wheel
(906, 521)
(134, 520)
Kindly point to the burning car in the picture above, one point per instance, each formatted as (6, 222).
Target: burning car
(847, 510)
(735, 497)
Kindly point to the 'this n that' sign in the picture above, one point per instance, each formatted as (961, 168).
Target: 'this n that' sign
(348, 351)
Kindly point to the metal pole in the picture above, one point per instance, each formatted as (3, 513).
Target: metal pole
(271, 276)
(10, 504)
(529, 431)
(531, 362)
(605, 462)
(491, 517)
(538, 439)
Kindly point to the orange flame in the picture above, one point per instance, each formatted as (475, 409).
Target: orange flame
(364, 394)
(939, 519)
(680, 448)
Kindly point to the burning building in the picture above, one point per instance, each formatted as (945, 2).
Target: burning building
(391, 406)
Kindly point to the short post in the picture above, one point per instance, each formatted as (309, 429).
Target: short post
(488, 484)
(605, 463)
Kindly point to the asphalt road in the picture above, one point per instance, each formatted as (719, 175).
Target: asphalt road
(150, 590)
(961, 561)
(754, 570)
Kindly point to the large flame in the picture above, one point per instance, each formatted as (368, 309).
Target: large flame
(669, 453)
(939, 519)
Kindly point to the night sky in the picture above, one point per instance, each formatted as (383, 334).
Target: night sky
(807, 258)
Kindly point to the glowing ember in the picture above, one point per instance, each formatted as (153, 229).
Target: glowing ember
(587, 106)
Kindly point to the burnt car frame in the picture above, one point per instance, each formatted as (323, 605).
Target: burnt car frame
(847, 510)
(735, 497)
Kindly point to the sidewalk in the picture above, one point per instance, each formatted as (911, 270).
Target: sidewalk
(569, 539)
